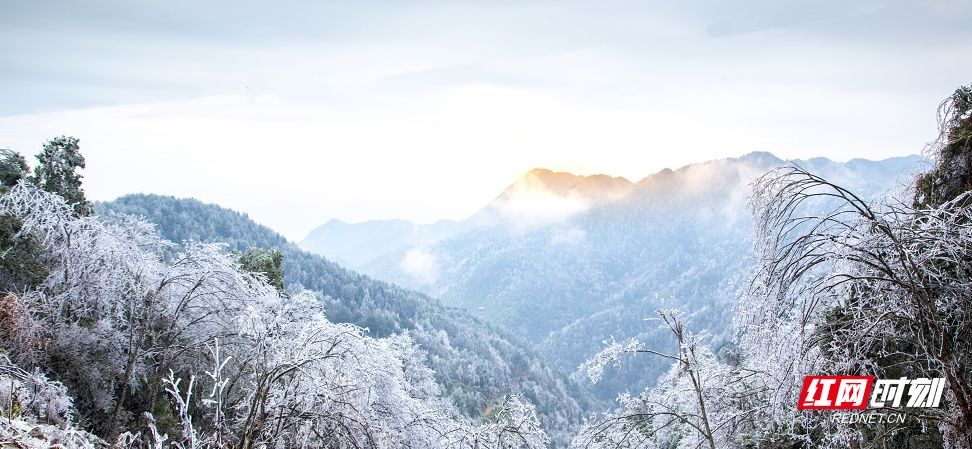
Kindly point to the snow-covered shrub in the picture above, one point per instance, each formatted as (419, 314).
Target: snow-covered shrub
(32, 395)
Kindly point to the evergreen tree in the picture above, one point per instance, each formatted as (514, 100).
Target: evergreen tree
(20, 266)
(13, 168)
(57, 172)
(268, 262)
(952, 150)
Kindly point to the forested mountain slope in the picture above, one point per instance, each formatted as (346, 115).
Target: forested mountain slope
(475, 362)
(570, 261)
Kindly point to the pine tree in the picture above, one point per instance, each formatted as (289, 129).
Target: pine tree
(268, 262)
(57, 172)
(13, 168)
(952, 150)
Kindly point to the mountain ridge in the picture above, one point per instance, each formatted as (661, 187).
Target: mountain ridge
(678, 239)
(359, 243)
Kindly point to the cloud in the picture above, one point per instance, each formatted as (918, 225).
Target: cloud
(303, 111)
(421, 264)
(529, 203)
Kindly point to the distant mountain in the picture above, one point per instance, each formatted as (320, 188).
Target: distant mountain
(356, 244)
(566, 185)
(476, 363)
(569, 261)
(537, 197)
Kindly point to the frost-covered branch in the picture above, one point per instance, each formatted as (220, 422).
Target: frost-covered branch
(700, 402)
(869, 289)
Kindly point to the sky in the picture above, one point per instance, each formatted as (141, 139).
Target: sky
(297, 112)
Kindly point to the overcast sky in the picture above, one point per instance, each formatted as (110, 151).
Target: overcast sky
(298, 112)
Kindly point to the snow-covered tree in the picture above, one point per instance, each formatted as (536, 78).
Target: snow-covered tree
(57, 168)
(182, 345)
(703, 401)
(513, 424)
(880, 290)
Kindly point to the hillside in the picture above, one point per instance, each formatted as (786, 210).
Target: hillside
(475, 362)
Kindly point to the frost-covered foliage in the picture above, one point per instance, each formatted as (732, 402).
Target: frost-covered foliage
(26, 434)
(593, 368)
(190, 349)
(513, 424)
(702, 401)
(880, 290)
(31, 395)
(952, 150)
(872, 288)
